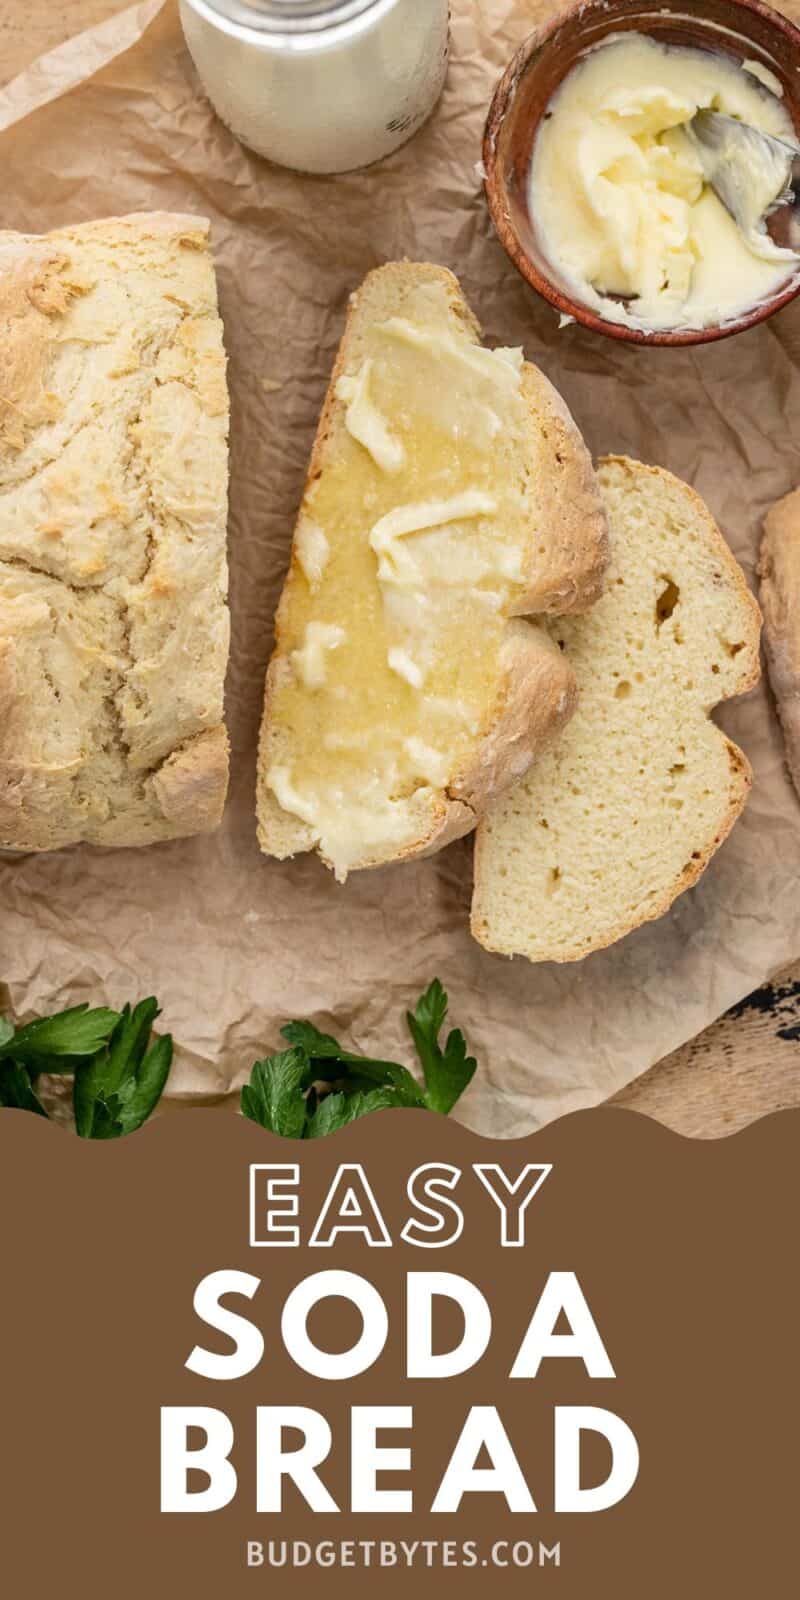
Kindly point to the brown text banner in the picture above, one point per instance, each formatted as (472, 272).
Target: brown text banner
(403, 1355)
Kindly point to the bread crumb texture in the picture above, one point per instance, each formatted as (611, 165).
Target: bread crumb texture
(449, 498)
(114, 625)
(627, 810)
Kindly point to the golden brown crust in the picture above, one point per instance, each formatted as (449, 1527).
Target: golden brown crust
(780, 601)
(113, 469)
(535, 701)
(572, 555)
(446, 820)
(272, 819)
(568, 558)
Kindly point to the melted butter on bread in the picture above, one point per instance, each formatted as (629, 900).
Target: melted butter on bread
(422, 489)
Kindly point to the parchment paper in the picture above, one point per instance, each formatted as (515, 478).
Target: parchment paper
(234, 944)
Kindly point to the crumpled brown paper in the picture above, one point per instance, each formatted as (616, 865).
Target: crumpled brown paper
(234, 944)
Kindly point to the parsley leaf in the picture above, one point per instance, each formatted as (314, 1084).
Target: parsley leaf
(316, 1087)
(330, 1063)
(47, 1043)
(274, 1097)
(118, 1080)
(105, 1122)
(16, 1090)
(317, 1046)
(337, 1110)
(115, 1092)
(447, 1072)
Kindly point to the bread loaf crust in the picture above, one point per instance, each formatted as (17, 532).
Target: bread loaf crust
(573, 558)
(537, 691)
(780, 602)
(114, 626)
(536, 699)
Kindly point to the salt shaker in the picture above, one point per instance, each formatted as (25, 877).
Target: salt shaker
(320, 85)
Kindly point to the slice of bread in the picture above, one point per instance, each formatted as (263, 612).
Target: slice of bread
(780, 599)
(449, 495)
(627, 811)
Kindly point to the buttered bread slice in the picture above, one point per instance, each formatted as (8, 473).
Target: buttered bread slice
(449, 497)
(628, 809)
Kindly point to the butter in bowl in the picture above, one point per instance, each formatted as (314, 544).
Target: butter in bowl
(640, 167)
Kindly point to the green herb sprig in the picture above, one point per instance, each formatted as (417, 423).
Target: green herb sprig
(310, 1089)
(316, 1087)
(118, 1077)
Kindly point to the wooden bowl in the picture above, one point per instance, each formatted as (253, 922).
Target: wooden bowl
(745, 30)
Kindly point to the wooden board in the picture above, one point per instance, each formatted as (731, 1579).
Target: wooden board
(748, 1063)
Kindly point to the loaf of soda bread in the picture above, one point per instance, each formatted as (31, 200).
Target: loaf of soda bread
(449, 498)
(113, 509)
(627, 810)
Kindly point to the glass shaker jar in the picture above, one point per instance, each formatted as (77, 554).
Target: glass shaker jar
(320, 85)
